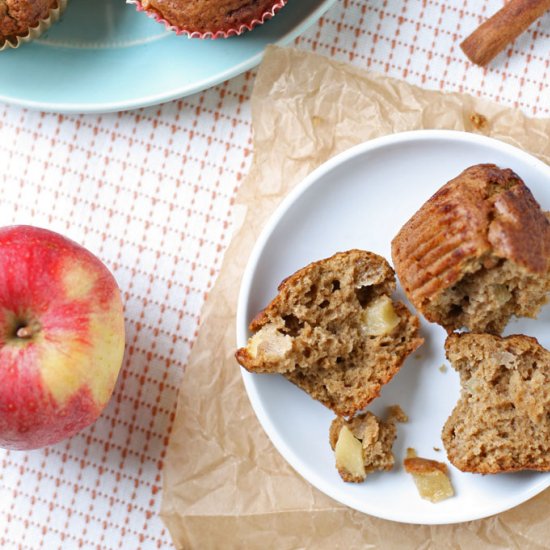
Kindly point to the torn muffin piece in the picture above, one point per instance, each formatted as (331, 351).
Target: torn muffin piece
(476, 253)
(362, 445)
(334, 331)
(501, 422)
(430, 477)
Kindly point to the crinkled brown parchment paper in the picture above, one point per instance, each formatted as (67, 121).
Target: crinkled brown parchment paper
(225, 485)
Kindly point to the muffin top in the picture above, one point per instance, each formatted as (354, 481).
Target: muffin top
(209, 15)
(18, 16)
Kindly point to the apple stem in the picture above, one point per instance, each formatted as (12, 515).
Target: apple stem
(25, 332)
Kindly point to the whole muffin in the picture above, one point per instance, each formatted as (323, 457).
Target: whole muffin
(17, 17)
(212, 18)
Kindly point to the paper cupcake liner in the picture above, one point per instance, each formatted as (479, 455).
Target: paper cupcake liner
(190, 33)
(34, 32)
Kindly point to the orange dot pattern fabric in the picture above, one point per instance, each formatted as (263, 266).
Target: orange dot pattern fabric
(151, 193)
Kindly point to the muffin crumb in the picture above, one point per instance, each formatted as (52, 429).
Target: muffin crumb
(478, 121)
(395, 412)
(362, 445)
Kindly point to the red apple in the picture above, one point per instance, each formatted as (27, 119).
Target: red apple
(61, 337)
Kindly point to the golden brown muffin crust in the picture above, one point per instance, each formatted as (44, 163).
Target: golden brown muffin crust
(18, 16)
(209, 15)
(484, 216)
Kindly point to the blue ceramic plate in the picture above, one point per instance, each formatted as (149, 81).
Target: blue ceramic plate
(104, 56)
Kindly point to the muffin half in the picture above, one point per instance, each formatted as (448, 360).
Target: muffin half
(334, 331)
(502, 421)
(476, 253)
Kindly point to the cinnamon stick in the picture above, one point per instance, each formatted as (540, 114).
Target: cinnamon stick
(505, 26)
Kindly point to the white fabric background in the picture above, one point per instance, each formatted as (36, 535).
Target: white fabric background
(151, 192)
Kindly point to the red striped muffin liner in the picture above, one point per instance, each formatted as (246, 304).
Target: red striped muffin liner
(190, 33)
(34, 32)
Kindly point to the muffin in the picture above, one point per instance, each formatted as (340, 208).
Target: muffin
(501, 422)
(362, 445)
(477, 252)
(210, 18)
(24, 20)
(334, 331)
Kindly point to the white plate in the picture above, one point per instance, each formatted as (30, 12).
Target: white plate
(360, 199)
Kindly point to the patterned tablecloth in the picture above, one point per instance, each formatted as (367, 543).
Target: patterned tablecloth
(151, 193)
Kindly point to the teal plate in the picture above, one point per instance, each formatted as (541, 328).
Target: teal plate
(105, 56)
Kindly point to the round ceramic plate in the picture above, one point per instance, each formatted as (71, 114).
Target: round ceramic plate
(104, 56)
(360, 199)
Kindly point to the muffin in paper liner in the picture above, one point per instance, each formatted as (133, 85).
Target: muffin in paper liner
(246, 24)
(35, 31)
